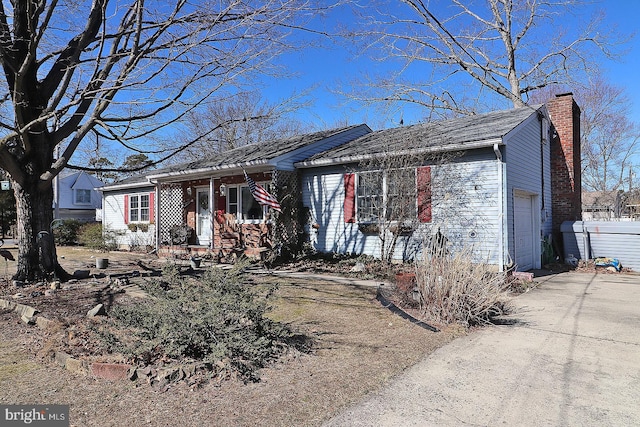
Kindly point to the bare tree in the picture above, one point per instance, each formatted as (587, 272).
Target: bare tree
(464, 51)
(126, 70)
(238, 120)
(609, 139)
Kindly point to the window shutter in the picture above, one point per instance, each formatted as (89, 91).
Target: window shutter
(349, 197)
(126, 209)
(152, 207)
(424, 193)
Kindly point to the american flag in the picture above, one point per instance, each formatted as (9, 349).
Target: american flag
(261, 195)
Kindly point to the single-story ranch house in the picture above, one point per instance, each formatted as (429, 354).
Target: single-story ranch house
(500, 183)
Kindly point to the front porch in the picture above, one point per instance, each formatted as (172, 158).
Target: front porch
(217, 217)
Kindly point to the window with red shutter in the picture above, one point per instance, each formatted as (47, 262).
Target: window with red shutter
(349, 198)
(423, 182)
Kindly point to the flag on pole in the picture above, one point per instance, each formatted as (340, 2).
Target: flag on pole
(261, 195)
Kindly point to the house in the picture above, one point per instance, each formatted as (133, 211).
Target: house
(207, 206)
(499, 183)
(77, 196)
(601, 205)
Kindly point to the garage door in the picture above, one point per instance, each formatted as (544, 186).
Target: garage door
(524, 232)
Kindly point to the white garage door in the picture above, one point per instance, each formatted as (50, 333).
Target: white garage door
(524, 232)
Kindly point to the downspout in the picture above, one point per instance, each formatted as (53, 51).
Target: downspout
(501, 203)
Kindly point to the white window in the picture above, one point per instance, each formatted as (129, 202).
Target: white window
(139, 208)
(392, 192)
(82, 197)
(241, 203)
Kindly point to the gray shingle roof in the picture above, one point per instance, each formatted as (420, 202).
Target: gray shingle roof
(443, 135)
(261, 153)
(254, 153)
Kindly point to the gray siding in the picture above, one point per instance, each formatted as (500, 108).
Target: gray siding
(528, 171)
(465, 209)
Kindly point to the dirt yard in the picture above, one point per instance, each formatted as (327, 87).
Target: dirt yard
(358, 346)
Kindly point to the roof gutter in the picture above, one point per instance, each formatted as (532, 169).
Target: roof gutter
(206, 172)
(436, 149)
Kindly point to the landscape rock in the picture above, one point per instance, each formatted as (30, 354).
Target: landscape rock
(7, 304)
(29, 320)
(61, 358)
(18, 283)
(81, 274)
(358, 268)
(76, 366)
(44, 323)
(49, 292)
(25, 310)
(98, 310)
(110, 371)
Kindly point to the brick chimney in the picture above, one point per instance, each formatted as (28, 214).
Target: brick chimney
(566, 177)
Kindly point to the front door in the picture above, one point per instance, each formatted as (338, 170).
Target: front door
(203, 220)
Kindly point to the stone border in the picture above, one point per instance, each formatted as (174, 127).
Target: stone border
(108, 371)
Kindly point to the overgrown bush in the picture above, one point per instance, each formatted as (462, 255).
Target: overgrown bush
(65, 232)
(94, 237)
(219, 320)
(453, 289)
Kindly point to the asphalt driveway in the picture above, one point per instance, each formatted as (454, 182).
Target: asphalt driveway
(571, 359)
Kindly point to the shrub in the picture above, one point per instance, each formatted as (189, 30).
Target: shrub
(65, 232)
(219, 320)
(453, 289)
(94, 237)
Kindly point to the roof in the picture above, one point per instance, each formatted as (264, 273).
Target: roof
(254, 155)
(462, 133)
(600, 198)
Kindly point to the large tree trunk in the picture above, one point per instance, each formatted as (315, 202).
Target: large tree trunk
(37, 258)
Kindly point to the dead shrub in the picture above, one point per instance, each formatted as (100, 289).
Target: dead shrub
(453, 289)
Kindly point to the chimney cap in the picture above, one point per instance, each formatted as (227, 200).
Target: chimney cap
(560, 95)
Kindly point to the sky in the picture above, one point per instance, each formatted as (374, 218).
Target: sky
(324, 71)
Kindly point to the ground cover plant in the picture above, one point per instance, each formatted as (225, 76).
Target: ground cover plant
(218, 318)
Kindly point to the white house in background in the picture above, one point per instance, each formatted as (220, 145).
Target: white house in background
(76, 196)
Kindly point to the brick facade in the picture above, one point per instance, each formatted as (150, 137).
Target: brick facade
(566, 177)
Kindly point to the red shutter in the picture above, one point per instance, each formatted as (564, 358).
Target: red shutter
(349, 197)
(152, 207)
(424, 193)
(126, 209)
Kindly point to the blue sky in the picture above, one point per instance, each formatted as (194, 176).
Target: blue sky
(325, 69)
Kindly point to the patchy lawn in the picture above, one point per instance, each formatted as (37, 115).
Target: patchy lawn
(358, 345)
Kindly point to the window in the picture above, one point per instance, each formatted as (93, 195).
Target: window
(399, 194)
(241, 203)
(82, 197)
(139, 208)
(370, 196)
(392, 192)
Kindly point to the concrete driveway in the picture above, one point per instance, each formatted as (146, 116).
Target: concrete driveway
(572, 359)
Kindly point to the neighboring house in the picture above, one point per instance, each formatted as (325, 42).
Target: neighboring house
(514, 178)
(601, 205)
(77, 196)
(513, 181)
(206, 205)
